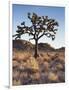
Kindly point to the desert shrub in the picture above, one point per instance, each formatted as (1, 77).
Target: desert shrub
(52, 77)
(61, 76)
(46, 57)
(44, 77)
(16, 82)
(35, 76)
(46, 64)
(59, 66)
(21, 56)
(33, 64)
(16, 75)
(15, 63)
(44, 67)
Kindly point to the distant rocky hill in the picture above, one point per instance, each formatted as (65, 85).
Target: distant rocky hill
(22, 45)
(45, 47)
(61, 49)
(28, 46)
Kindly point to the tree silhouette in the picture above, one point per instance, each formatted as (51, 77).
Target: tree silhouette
(40, 26)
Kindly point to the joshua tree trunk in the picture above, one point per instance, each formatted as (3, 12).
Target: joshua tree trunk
(36, 48)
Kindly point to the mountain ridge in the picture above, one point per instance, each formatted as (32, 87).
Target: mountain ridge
(26, 45)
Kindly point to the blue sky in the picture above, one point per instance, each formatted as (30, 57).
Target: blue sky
(19, 14)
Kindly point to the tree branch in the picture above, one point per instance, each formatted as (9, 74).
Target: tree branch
(40, 26)
(31, 38)
(41, 36)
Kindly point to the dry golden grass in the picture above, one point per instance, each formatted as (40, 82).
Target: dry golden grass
(21, 56)
(46, 64)
(32, 63)
(15, 64)
(47, 68)
(59, 66)
(45, 57)
(35, 76)
(16, 82)
(52, 76)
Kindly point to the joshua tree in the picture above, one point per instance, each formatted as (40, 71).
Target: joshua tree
(40, 26)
